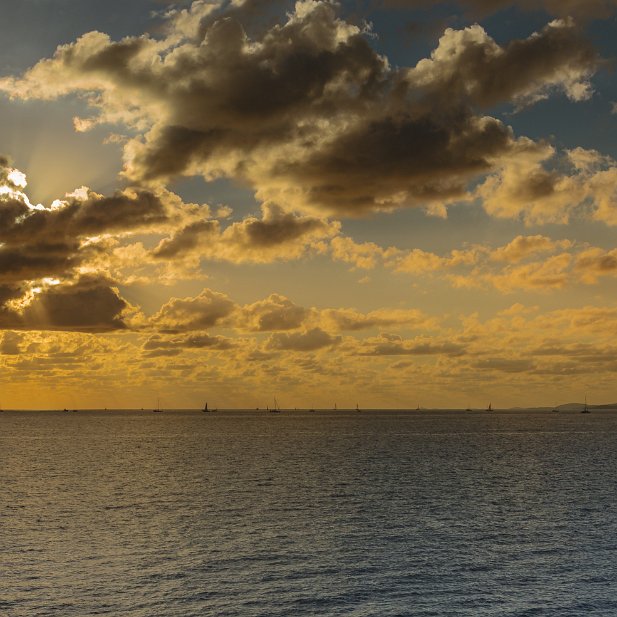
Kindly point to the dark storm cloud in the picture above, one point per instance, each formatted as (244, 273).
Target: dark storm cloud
(307, 112)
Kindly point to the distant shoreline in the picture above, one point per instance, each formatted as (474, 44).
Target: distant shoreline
(568, 407)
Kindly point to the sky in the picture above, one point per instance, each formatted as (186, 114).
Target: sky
(387, 203)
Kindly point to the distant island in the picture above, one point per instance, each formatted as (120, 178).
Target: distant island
(580, 406)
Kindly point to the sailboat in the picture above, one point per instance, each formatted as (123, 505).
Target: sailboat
(357, 407)
(276, 408)
(585, 409)
(490, 407)
(334, 406)
(158, 406)
(205, 409)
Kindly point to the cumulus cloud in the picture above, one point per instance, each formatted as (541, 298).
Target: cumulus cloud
(199, 313)
(88, 234)
(417, 261)
(306, 112)
(469, 65)
(38, 241)
(388, 345)
(364, 255)
(544, 187)
(277, 235)
(158, 345)
(533, 263)
(525, 246)
(506, 365)
(352, 320)
(309, 340)
(277, 313)
(593, 263)
(274, 313)
(90, 304)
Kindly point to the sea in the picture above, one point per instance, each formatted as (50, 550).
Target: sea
(249, 513)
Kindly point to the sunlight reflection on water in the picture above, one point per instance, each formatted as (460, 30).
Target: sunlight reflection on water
(245, 513)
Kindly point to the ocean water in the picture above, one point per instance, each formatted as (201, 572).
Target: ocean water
(327, 513)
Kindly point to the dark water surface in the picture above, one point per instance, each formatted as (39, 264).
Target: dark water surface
(247, 513)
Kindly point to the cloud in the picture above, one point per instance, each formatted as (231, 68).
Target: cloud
(506, 365)
(417, 261)
(80, 214)
(274, 313)
(593, 263)
(583, 9)
(526, 246)
(534, 263)
(158, 345)
(277, 235)
(65, 238)
(11, 343)
(469, 65)
(354, 321)
(277, 313)
(309, 340)
(89, 304)
(190, 238)
(306, 112)
(552, 273)
(199, 313)
(542, 187)
(387, 345)
(364, 255)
